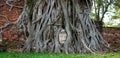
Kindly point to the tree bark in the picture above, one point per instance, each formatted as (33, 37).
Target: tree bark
(44, 20)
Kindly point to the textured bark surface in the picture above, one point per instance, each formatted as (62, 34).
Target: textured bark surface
(43, 20)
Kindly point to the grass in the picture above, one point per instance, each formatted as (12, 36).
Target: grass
(57, 55)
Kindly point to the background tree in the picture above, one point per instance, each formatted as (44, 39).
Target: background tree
(113, 12)
(43, 20)
(116, 15)
(100, 9)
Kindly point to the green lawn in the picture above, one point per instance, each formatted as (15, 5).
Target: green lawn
(59, 55)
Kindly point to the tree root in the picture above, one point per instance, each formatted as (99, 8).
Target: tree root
(51, 16)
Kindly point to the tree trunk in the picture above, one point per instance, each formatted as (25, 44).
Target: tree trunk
(99, 25)
(43, 20)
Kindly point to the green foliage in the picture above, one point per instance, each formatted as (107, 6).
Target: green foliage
(101, 7)
(2, 46)
(99, 2)
(117, 3)
(1, 50)
(117, 13)
(115, 17)
(59, 55)
(93, 15)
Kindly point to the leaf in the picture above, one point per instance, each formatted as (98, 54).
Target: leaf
(115, 17)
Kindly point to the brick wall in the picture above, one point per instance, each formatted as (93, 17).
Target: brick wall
(112, 35)
(8, 14)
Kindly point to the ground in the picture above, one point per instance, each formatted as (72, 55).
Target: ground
(112, 35)
(58, 55)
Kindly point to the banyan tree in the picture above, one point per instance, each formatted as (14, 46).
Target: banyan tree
(43, 22)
